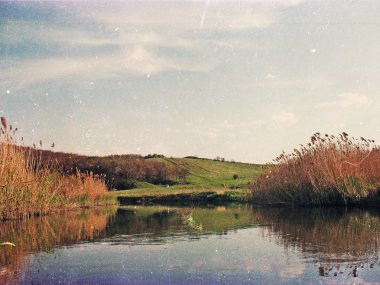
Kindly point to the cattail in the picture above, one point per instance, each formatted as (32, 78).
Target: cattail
(4, 123)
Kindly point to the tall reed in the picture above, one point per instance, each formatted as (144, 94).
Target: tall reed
(29, 186)
(328, 170)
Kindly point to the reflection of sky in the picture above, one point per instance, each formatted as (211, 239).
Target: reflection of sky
(241, 79)
(242, 257)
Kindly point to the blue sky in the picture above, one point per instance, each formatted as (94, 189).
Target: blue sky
(239, 79)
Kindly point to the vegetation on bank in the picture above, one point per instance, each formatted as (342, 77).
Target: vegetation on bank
(328, 171)
(120, 171)
(181, 197)
(30, 187)
(131, 171)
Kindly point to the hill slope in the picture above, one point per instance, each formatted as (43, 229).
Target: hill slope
(211, 174)
(208, 181)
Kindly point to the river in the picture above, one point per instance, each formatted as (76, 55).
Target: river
(234, 244)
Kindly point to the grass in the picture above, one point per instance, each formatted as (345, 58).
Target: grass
(207, 179)
(158, 191)
(328, 171)
(29, 187)
(211, 174)
(161, 195)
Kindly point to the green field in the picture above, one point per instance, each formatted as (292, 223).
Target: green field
(205, 176)
(211, 174)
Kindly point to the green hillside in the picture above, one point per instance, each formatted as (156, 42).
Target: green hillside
(211, 174)
(207, 179)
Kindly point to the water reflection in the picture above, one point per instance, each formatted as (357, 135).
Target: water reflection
(140, 224)
(338, 239)
(46, 233)
(328, 242)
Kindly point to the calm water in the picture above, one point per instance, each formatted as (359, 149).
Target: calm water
(220, 245)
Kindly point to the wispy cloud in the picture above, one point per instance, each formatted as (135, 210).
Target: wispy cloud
(224, 129)
(336, 126)
(193, 14)
(135, 60)
(345, 100)
(127, 37)
(284, 119)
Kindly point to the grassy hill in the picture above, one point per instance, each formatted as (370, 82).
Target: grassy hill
(211, 174)
(207, 179)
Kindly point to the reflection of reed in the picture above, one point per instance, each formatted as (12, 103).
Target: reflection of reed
(44, 234)
(335, 237)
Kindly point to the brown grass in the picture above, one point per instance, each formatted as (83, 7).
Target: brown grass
(329, 170)
(30, 187)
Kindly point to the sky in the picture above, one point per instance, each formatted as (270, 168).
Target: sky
(243, 80)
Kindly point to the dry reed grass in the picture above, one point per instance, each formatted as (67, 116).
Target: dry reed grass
(330, 170)
(30, 187)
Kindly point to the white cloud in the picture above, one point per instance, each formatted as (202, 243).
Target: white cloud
(212, 14)
(139, 60)
(284, 118)
(134, 32)
(225, 129)
(337, 126)
(345, 100)
(135, 60)
(269, 76)
(76, 37)
(235, 129)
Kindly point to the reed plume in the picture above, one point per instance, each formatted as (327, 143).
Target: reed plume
(328, 170)
(31, 186)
